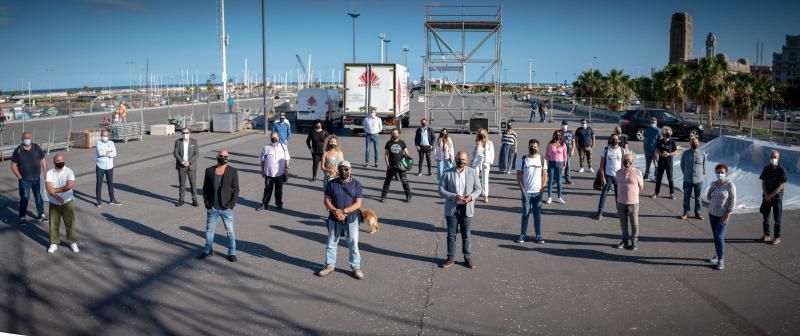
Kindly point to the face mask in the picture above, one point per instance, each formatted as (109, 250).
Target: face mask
(774, 162)
(694, 146)
(344, 174)
(26, 142)
(318, 127)
(105, 139)
(59, 165)
(186, 136)
(720, 176)
(274, 140)
(283, 118)
(460, 163)
(331, 146)
(394, 137)
(424, 125)
(654, 125)
(614, 142)
(626, 164)
(667, 135)
(564, 127)
(222, 160)
(533, 151)
(584, 125)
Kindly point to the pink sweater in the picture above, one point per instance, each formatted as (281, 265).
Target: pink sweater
(556, 153)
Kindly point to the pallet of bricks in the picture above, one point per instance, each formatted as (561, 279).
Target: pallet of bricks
(126, 131)
(85, 139)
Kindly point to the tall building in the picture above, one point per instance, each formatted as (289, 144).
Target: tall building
(711, 45)
(680, 38)
(786, 64)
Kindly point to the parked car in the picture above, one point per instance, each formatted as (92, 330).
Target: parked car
(633, 123)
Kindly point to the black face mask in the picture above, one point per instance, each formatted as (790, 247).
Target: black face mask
(614, 142)
(395, 137)
(694, 146)
(59, 165)
(344, 174)
(533, 151)
(460, 163)
(318, 127)
(667, 135)
(626, 164)
(222, 160)
(331, 146)
(274, 140)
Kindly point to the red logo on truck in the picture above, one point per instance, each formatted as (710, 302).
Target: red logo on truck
(369, 78)
(311, 101)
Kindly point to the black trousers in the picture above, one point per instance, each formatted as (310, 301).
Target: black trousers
(660, 169)
(183, 173)
(315, 160)
(98, 187)
(391, 172)
(425, 153)
(271, 183)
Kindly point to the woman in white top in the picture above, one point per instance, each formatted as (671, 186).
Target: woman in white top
(444, 153)
(610, 162)
(721, 203)
(482, 159)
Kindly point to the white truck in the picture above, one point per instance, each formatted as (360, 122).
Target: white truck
(318, 104)
(382, 87)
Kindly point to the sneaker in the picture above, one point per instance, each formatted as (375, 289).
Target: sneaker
(720, 265)
(622, 244)
(654, 196)
(325, 271)
(114, 202)
(633, 246)
(520, 240)
(358, 274)
(539, 240)
(561, 200)
(22, 221)
(232, 258)
(98, 204)
(599, 216)
(765, 238)
(52, 248)
(684, 216)
(581, 170)
(591, 170)
(366, 164)
(74, 247)
(671, 196)
(549, 200)
(419, 174)
(469, 263)
(42, 217)
(261, 208)
(698, 216)
(447, 263)
(776, 241)
(713, 260)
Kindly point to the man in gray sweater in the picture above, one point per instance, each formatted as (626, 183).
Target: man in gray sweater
(693, 167)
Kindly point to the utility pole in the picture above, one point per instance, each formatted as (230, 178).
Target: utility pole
(381, 37)
(264, 70)
(405, 56)
(354, 16)
(530, 72)
(223, 44)
(387, 49)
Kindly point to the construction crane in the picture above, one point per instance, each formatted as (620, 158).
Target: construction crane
(307, 73)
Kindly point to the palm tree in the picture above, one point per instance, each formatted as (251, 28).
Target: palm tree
(618, 88)
(674, 85)
(589, 84)
(707, 84)
(739, 96)
(763, 96)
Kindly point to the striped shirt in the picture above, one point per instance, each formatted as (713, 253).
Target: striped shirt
(509, 138)
(773, 178)
(722, 200)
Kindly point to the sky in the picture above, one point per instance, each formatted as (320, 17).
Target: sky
(76, 43)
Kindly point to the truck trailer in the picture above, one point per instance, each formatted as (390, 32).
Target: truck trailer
(382, 87)
(318, 104)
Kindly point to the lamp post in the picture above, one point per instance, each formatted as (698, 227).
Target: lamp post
(771, 92)
(405, 56)
(530, 72)
(264, 69)
(354, 16)
(381, 37)
(386, 48)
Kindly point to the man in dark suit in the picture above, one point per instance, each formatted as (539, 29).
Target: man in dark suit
(424, 140)
(185, 154)
(220, 190)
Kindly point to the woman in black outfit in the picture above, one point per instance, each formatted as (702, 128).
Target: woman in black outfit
(315, 142)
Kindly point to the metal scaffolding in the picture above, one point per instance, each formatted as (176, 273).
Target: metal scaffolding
(458, 38)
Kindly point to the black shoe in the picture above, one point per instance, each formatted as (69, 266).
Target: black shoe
(622, 245)
(42, 217)
(408, 199)
(180, 203)
(383, 199)
(568, 182)
(280, 207)
(232, 258)
(99, 204)
(22, 221)
(633, 246)
(194, 203)
(204, 255)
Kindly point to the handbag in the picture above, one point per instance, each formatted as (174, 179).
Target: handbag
(766, 206)
(406, 162)
(598, 183)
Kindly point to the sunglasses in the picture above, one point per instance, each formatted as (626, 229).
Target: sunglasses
(344, 169)
(222, 157)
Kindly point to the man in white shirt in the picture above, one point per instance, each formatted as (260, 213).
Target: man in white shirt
(106, 152)
(372, 129)
(186, 153)
(274, 169)
(531, 171)
(59, 183)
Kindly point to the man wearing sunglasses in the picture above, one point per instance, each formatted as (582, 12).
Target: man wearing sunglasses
(220, 190)
(185, 153)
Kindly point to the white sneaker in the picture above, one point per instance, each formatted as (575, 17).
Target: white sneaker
(74, 247)
(561, 200)
(581, 171)
(52, 248)
(591, 170)
(549, 200)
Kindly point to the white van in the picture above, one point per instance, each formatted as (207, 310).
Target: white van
(318, 104)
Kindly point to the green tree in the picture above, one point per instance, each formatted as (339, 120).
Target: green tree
(707, 84)
(674, 85)
(589, 84)
(15, 93)
(763, 96)
(739, 97)
(618, 88)
(210, 87)
(86, 89)
(643, 87)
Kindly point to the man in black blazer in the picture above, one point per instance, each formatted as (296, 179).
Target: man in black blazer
(185, 153)
(424, 140)
(220, 190)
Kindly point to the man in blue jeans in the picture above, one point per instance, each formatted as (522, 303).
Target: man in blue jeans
(220, 190)
(459, 186)
(693, 167)
(343, 200)
(372, 130)
(283, 128)
(531, 171)
(28, 164)
(651, 135)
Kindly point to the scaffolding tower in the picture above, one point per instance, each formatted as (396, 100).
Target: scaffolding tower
(458, 39)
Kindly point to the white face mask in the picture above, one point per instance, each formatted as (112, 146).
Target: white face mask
(584, 125)
(105, 139)
(186, 136)
(774, 162)
(564, 127)
(720, 176)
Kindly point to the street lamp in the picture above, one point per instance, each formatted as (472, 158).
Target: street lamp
(354, 16)
(381, 36)
(771, 92)
(264, 71)
(405, 56)
(530, 72)
(386, 41)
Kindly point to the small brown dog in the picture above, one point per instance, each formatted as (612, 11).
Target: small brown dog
(371, 218)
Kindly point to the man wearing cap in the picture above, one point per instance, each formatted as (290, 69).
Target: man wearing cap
(567, 139)
(343, 200)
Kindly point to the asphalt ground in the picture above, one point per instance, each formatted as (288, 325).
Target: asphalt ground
(136, 272)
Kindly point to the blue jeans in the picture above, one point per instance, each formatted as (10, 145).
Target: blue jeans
(554, 175)
(352, 243)
(531, 202)
(777, 213)
(719, 234)
(441, 167)
(459, 221)
(374, 139)
(506, 158)
(611, 181)
(688, 189)
(25, 187)
(211, 228)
